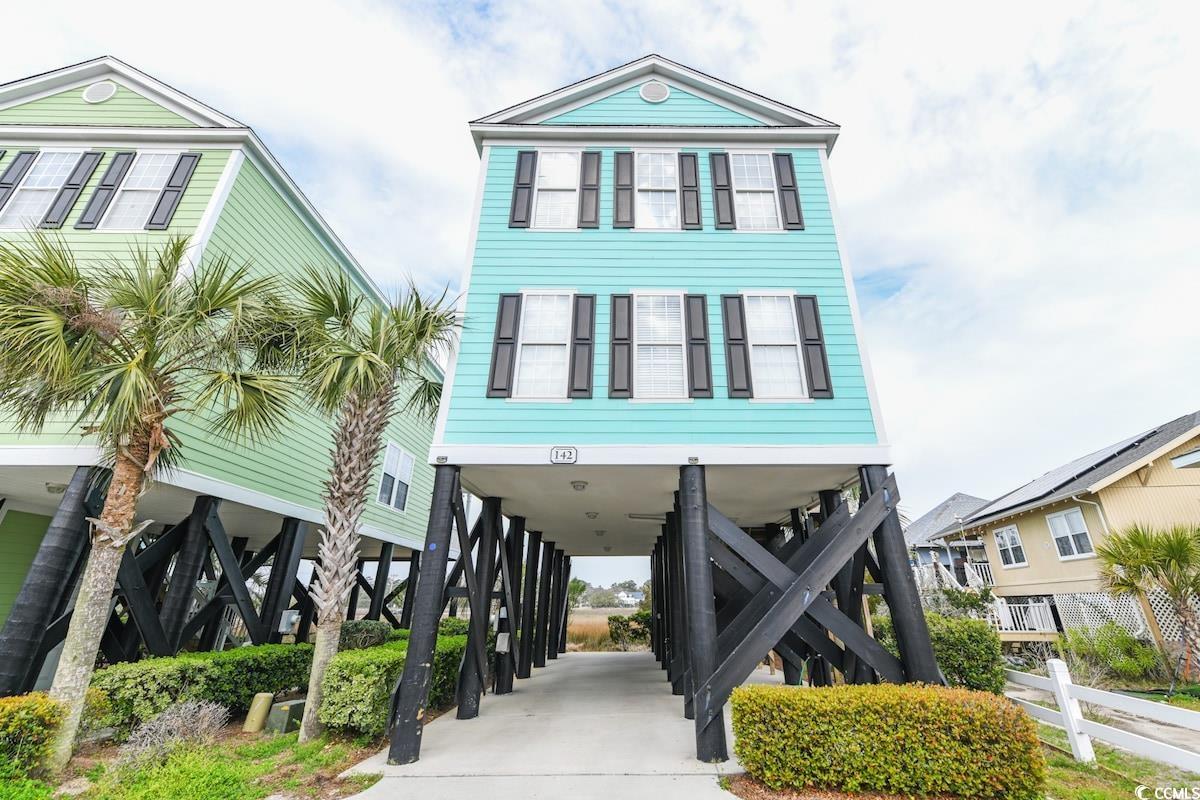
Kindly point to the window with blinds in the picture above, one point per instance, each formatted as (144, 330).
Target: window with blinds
(774, 346)
(658, 341)
(543, 346)
(556, 201)
(397, 477)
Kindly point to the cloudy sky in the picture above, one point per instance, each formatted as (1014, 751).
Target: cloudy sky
(1020, 183)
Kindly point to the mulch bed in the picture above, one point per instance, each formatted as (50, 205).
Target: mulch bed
(749, 788)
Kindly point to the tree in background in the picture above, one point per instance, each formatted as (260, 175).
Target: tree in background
(124, 348)
(1142, 559)
(625, 586)
(575, 589)
(647, 600)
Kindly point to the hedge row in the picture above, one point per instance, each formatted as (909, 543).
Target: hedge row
(907, 740)
(138, 690)
(358, 685)
(967, 650)
(27, 723)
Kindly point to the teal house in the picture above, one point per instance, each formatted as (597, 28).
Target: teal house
(110, 159)
(662, 345)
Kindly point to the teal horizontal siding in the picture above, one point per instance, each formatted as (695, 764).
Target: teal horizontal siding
(627, 107)
(607, 261)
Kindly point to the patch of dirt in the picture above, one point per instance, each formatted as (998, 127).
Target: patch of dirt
(748, 788)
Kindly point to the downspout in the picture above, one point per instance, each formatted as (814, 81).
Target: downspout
(1099, 510)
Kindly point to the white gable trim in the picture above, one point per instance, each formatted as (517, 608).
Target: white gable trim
(664, 135)
(109, 68)
(1129, 469)
(639, 79)
(688, 79)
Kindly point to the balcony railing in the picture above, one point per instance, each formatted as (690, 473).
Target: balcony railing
(982, 573)
(1033, 616)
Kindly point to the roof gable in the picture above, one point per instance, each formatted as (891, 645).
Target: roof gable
(627, 107)
(954, 509)
(727, 97)
(56, 98)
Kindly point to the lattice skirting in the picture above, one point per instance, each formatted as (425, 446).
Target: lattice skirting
(1168, 620)
(1093, 609)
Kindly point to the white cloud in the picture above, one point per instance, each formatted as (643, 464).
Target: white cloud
(1025, 174)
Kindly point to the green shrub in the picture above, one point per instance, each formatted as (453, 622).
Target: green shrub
(358, 685)
(1115, 649)
(629, 631)
(453, 626)
(967, 650)
(138, 690)
(27, 724)
(360, 633)
(907, 740)
(969, 601)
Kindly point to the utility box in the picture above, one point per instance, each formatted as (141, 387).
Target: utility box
(285, 717)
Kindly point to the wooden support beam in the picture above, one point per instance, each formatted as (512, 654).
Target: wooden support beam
(186, 573)
(230, 566)
(140, 606)
(541, 627)
(472, 677)
(566, 605)
(352, 604)
(283, 574)
(529, 605)
(556, 588)
(510, 604)
(382, 568)
(364, 584)
(223, 595)
(475, 595)
(410, 589)
(679, 648)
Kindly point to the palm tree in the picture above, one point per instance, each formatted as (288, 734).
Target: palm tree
(1142, 559)
(355, 356)
(124, 348)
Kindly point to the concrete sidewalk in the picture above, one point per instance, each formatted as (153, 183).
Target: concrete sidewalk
(588, 725)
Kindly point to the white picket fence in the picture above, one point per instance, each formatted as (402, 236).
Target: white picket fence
(1067, 696)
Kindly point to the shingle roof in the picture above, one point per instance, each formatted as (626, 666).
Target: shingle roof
(945, 514)
(1076, 476)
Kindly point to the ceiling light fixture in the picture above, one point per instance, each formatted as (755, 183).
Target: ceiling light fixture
(592, 514)
(56, 488)
(579, 486)
(600, 533)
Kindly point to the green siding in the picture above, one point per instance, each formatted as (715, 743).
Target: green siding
(606, 261)
(126, 107)
(20, 535)
(628, 108)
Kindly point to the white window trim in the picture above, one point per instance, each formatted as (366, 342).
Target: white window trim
(382, 468)
(774, 191)
(537, 188)
(102, 225)
(24, 178)
(791, 295)
(1054, 539)
(682, 398)
(637, 226)
(1011, 530)
(564, 397)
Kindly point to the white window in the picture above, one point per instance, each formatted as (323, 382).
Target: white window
(755, 205)
(397, 477)
(1008, 542)
(774, 346)
(543, 345)
(29, 203)
(658, 339)
(556, 202)
(657, 185)
(1070, 533)
(130, 209)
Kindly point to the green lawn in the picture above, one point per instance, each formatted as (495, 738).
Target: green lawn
(1116, 777)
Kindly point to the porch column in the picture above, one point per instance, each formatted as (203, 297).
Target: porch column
(352, 604)
(186, 574)
(382, 568)
(47, 585)
(413, 691)
(702, 617)
(566, 605)
(552, 630)
(471, 679)
(679, 650)
(541, 627)
(900, 590)
(506, 663)
(284, 566)
(528, 604)
(410, 589)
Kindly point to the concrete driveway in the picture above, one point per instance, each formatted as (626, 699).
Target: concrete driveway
(588, 725)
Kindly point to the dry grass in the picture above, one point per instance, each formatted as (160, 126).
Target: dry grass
(588, 633)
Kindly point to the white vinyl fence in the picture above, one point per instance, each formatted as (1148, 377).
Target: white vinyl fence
(1068, 715)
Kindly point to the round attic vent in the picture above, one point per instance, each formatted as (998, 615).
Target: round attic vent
(99, 92)
(654, 91)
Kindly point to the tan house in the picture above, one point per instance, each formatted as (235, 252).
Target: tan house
(1040, 539)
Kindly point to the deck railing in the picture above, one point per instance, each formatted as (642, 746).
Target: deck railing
(1033, 616)
(1069, 715)
(982, 572)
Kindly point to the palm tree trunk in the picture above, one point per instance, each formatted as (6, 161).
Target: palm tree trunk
(94, 602)
(1190, 627)
(356, 445)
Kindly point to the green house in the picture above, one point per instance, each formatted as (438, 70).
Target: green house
(110, 159)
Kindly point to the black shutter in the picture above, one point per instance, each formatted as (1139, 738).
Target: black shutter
(589, 191)
(699, 362)
(521, 213)
(812, 340)
(504, 351)
(64, 201)
(623, 190)
(789, 195)
(620, 361)
(689, 189)
(103, 194)
(583, 338)
(722, 191)
(21, 163)
(737, 349)
(172, 192)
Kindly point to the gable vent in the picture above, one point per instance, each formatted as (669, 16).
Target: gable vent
(654, 91)
(99, 91)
